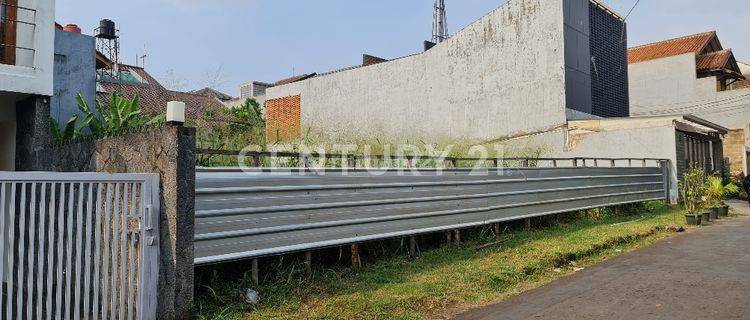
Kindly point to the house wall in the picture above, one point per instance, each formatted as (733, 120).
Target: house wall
(735, 143)
(670, 86)
(502, 75)
(75, 72)
(654, 142)
(7, 135)
(32, 73)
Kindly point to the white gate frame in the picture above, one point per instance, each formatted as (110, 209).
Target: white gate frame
(34, 299)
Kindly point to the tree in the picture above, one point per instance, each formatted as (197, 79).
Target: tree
(248, 114)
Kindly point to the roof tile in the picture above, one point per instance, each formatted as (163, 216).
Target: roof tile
(154, 98)
(673, 47)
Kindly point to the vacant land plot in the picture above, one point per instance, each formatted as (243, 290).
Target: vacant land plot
(442, 281)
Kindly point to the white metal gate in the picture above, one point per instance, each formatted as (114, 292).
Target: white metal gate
(78, 245)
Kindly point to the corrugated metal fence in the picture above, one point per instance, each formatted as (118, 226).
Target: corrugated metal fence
(273, 211)
(78, 245)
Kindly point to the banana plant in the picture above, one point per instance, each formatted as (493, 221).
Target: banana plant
(118, 115)
(69, 132)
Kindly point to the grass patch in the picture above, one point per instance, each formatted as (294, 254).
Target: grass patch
(442, 280)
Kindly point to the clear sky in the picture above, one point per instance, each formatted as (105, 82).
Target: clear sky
(195, 43)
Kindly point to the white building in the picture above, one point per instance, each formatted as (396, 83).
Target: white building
(684, 140)
(26, 75)
(526, 66)
(689, 75)
(694, 75)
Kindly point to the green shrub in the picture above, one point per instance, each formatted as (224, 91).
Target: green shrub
(693, 188)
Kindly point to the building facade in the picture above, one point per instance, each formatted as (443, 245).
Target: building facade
(694, 75)
(26, 73)
(528, 66)
(75, 72)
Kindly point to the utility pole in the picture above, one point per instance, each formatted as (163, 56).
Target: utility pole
(439, 23)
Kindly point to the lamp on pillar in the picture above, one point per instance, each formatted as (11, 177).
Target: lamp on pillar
(175, 113)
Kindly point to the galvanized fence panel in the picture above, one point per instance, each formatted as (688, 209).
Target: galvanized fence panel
(267, 212)
(78, 245)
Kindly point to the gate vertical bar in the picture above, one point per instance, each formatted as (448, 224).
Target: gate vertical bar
(51, 248)
(87, 267)
(21, 250)
(3, 234)
(99, 229)
(11, 247)
(69, 251)
(116, 211)
(60, 252)
(149, 253)
(105, 252)
(31, 253)
(79, 246)
(40, 265)
(123, 249)
(133, 242)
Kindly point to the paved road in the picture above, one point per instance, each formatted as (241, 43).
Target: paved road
(702, 274)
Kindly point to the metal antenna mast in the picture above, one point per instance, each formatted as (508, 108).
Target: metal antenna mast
(439, 23)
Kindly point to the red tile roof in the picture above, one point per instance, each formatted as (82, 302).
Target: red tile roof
(154, 98)
(715, 60)
(694, 43)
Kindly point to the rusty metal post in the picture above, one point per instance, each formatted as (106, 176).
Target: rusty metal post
(527, 223)
(308, 266)
(497, 229)
(254, 271)
(457, 234)
(412, 246)
(448, 238)
(355, 256)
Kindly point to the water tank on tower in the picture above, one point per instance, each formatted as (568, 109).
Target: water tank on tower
(106, 30)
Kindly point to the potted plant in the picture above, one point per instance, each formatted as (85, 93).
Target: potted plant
(693, 191)
(718, 191)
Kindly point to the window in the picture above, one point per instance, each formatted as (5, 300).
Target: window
(8, 15)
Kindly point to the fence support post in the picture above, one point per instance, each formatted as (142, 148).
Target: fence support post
(254, 271)
(527, 223)
(412, 246)
(308, 266)
(448, 238)
(355, 256)
(457, 234)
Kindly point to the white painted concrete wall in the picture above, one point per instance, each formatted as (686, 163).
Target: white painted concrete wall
(7, 137)
(658, 142)
(502, 75)
(671, 86)
(32, 74)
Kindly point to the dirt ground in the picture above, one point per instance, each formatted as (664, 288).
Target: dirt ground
(700, 274)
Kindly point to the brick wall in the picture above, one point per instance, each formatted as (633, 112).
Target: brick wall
(283, 119)
(734, 150)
